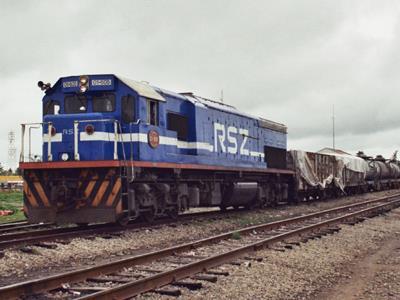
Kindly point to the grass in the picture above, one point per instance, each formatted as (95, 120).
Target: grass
(11, 201)
(236, 236)
(245, 220)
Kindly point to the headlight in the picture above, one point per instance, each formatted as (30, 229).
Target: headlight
(89, 129)
(53, 131)
(65, 156)
(83, 83)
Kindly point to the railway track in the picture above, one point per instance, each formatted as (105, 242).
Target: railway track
(38, 234)
(196, 260)
(12, 224)
(22, 226)
(28, 237)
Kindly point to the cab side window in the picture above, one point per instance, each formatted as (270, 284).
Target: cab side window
(152, 112)
(104, 102)
(128, 109)
(178, 123)
(75, 104)
(51, 108)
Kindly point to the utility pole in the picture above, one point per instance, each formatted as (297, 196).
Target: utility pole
(12, 150)
(222, 95)
(333, 126)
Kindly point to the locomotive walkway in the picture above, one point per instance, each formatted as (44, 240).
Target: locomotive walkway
(172, 266)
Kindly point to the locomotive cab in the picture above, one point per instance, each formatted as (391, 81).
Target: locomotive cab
(81, 120)
(92, 125)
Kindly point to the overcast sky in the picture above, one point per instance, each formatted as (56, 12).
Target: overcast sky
(288, 61)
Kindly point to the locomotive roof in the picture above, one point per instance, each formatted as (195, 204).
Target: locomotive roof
(146, 90)
(142, 88)
(208, 103)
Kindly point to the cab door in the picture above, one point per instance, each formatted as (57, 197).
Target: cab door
(129, 126)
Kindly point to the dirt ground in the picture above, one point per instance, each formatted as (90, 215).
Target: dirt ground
(358, 262)
(374, 276)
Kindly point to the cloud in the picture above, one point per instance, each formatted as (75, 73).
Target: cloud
(288, 61)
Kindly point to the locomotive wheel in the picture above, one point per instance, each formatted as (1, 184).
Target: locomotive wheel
(82, 224)
(149, 216)
(250, 206)
(123, 221)
(173, 213)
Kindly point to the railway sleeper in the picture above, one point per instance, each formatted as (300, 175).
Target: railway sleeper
(168, 292)
(45, 245)
(190, 256)
(188, 284)
(293, 243)
(258, 259)
(29, 250)
(108, 279)
(129, 275)
(218, 273)
(278, 249)
(146, 270)
(205, 277)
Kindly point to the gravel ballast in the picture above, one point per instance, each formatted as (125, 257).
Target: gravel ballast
(319, 269)
(16, 265)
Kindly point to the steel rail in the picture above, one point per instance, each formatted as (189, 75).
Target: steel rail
(11, 239)
(147, 284)
(46, 235)
(53, 282)
(12, 224)
(25, 225)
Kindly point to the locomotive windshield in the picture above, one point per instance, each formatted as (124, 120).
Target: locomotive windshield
(51, 108)
(104, 103)
(75, 104)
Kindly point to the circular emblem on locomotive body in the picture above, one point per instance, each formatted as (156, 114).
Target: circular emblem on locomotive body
(153, 138)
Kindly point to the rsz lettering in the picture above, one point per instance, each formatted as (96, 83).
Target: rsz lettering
(221, 134)
(68, 131)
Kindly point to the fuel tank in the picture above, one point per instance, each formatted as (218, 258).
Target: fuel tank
(242, 193)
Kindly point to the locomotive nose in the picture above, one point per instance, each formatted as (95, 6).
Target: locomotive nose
(78, 137)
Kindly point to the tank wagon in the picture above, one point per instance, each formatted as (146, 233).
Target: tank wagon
(116, 149)
(382, 173)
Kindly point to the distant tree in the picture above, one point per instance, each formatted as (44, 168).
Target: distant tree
(2, 171)
(17, 172)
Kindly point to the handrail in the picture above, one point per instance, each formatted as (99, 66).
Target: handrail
(76, 135)
(30, 139)
(30, 126)
(76, 140)
(132, 170)
(49, 137)
(49, 134)
(96, 120)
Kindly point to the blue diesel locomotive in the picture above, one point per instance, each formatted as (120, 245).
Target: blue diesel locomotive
(116, 149)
